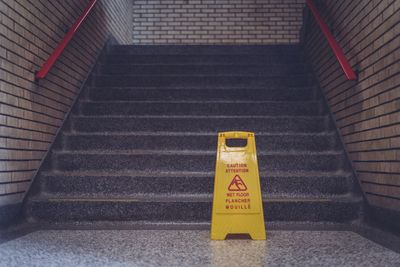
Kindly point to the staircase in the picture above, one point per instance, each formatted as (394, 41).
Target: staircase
(140, 145)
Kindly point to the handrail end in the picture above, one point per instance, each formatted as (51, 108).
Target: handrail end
(39, 75)
(352, 75)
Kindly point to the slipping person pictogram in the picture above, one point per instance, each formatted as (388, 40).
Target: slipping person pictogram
(237, 184)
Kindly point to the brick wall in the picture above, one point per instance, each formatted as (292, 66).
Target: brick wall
(31, 113)
(216, 21)
(367, 112)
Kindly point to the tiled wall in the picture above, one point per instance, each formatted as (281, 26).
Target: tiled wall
(31, 113)
(367, 112)
(216, 21)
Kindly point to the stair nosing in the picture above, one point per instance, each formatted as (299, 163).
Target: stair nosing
(112, 64)
(194, 198)
(205, 116)
(191, 152)
(212, 87)
(229, 63)
(305, 102)
(167, 134)
(307, 75)
(182, 174)
(272, 53)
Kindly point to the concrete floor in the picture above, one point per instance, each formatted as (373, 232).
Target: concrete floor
(192, 248)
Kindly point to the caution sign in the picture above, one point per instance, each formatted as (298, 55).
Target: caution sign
(237, 203)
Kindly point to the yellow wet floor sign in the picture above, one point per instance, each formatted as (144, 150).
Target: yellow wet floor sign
(237, 204)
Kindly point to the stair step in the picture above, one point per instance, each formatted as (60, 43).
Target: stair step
(206, 59)
(152, 208)
(104, 183)
(200, 80)
(200, 123)
(206, 50)
(207, 69)
(194, 141)
(202, 93)
(200, 108)
(149, 160)
(186, 225)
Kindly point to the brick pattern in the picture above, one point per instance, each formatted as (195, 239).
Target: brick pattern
(367, 112)
(217, 21)
(31, 113)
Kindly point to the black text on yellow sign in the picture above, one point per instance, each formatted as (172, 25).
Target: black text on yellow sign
(237, 204)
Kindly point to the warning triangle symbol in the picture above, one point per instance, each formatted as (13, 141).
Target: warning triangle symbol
(237, 184)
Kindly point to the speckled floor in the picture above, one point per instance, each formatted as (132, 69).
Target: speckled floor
(192, 248)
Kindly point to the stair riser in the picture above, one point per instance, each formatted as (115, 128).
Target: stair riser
(269, 124)
(176, 162)
(267, 70)
(181, 108)
(184, 211)
(205, 59)
(199, 81)
(129, 186)
(156, 50)
(195, 142)
(125, 94)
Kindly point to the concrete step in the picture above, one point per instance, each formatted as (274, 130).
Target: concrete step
(207, 69)
(156, 160)
(309, 124)
(229, 108)
(114, 183)
(201, 80)
(203, 93)
(239, 59)
(234, 50)
(195, 141)
(185, 208)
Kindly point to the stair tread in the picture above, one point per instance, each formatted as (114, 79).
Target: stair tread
(168, 62)
(186, 225)
(164, 54)
(208, 64)
(187, 198)
(205, 116)
(320, 141)
(307, 102)
(229, 49)
(191, 174)
(210, 87)
(306, 75)
(267, 49)
(138, 133)
(96, 183)
(190, 107)
(188, 152)
(220, 54)
(195, 59)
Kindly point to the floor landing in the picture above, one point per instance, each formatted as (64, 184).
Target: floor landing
(192, 248)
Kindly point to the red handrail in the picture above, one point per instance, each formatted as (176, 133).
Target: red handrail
(350, 74)
(64, 42)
